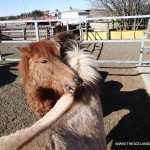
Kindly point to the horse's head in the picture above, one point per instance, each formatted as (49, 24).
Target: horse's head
(44, 68)
(59, 28)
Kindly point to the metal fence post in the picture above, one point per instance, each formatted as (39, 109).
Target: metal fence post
(24, 33)
(148, 29)
(141, 50)
(48, 33)
(80, 30)
(67, 25)
(86, 30)
(37, 31)
(50, 23)
(108, 32)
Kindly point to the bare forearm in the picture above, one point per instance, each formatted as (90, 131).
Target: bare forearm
(15, 140)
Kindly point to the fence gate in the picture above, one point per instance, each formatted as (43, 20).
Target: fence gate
(86, 28)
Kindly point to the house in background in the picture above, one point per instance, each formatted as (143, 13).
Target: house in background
(74, 14)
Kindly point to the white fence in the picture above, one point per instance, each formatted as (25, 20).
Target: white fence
(85, 20)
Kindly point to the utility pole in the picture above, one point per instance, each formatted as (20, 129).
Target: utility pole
(24, 8)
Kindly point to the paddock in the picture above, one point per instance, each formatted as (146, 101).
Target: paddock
(125, 98)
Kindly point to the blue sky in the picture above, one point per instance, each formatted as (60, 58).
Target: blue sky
(16, 7)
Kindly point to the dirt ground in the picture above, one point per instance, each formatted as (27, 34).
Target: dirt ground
(125, 101)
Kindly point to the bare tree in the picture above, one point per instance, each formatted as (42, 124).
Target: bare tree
(124, 8)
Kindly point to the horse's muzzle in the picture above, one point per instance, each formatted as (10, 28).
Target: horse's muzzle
(71, 87)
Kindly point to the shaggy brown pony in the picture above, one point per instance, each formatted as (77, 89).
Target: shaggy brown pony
(59, 28)
(45, 76)
(63, 28)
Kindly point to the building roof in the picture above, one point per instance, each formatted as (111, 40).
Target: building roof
(80, 10)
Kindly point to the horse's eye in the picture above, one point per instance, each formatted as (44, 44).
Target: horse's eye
(44, 61)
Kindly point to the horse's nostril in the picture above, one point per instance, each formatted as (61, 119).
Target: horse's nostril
(67, 87)
(78, 81)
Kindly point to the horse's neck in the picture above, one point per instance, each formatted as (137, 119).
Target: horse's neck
(41, 101)
(43, 94)
(85, 118)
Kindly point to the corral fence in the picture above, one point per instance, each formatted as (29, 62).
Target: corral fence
(91, 30)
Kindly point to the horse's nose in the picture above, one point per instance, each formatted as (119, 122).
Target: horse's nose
(71, 86)
(78, 81)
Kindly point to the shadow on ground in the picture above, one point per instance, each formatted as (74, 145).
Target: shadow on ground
(7, 54)
(133, 127)
(6, 76)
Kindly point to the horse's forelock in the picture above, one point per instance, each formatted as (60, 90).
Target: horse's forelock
(45, 48)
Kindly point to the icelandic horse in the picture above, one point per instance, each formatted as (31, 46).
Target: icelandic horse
(75, 122)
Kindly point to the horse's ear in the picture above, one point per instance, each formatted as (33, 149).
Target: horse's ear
(25, 51)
